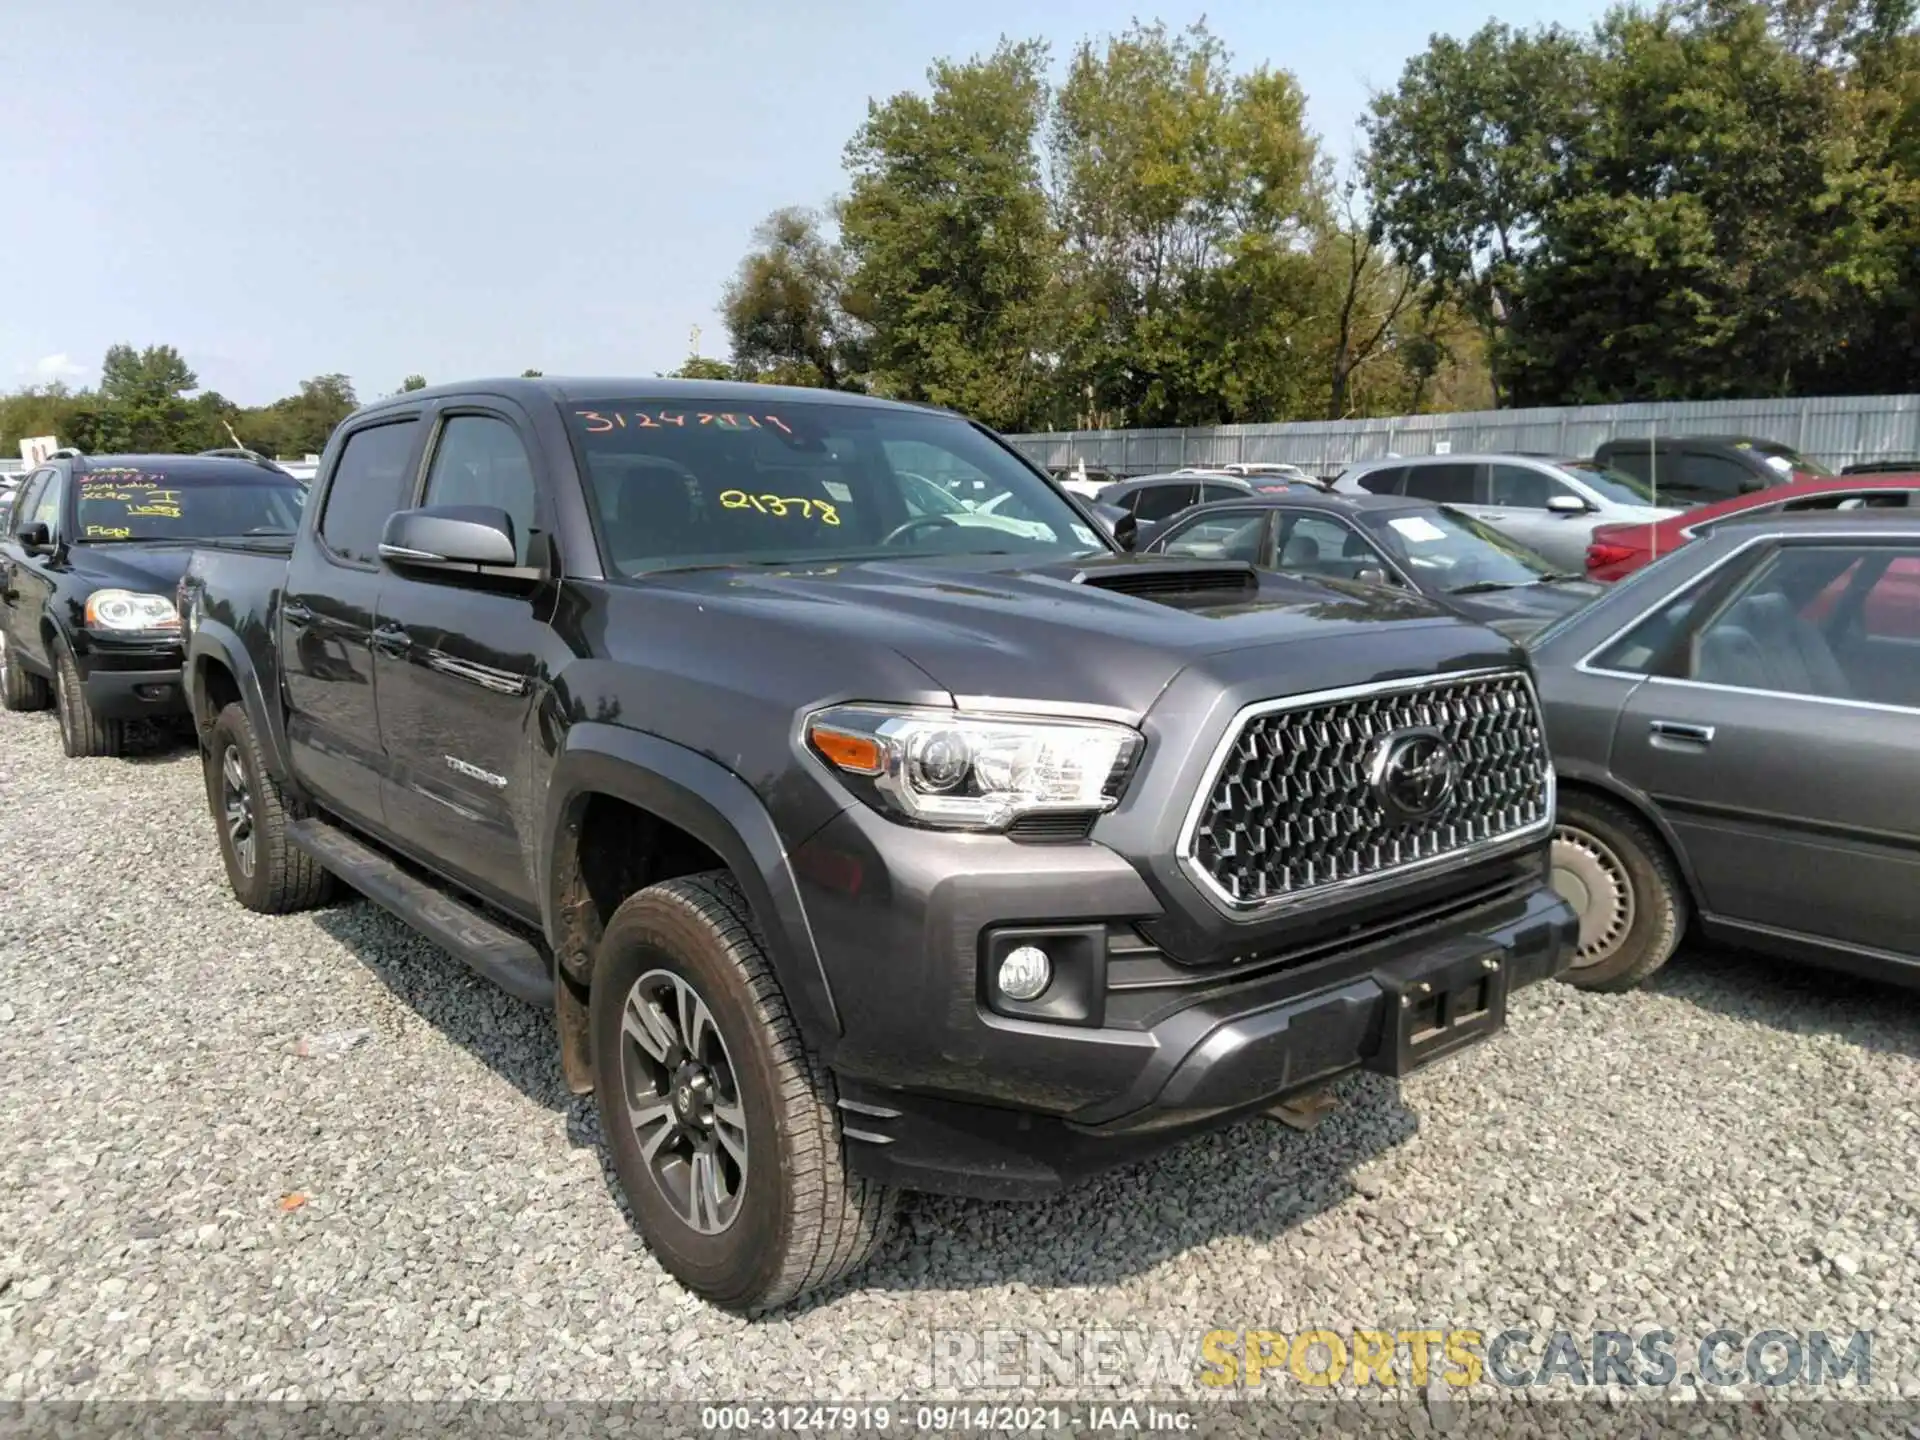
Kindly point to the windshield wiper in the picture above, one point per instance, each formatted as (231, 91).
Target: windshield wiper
(1558, 577)
(1482, 587)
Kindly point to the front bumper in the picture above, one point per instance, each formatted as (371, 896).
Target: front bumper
(127, 683)
(942, 1089)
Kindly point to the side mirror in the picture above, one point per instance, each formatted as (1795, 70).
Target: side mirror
(465, 536)
(1371, 575)
(1568, 505)
(34, 538)
(1118, 523)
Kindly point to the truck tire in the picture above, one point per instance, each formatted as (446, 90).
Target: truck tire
(1620, 878)
(722, 1123)
(267, 873)
(20, 688)
(82, 733)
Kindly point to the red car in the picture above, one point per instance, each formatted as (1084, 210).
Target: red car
(1615, 551)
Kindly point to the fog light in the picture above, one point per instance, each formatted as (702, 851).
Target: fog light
(1025, 973)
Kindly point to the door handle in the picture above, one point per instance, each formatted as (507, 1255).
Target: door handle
(295, 614)
(1681, 731)
(392, 640)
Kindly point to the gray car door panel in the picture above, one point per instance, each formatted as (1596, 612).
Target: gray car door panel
(1796, 814)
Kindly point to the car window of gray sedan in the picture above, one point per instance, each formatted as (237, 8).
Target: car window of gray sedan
(1635, 652)
(1223, 537)
(1790, 629)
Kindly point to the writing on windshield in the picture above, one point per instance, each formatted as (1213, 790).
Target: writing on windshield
(125, 503)
(597, 422)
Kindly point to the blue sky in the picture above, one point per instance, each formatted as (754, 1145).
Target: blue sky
(461, 189)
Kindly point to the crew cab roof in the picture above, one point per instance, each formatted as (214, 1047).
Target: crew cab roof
(567, 390)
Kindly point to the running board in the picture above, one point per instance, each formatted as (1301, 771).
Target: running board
(494, 951)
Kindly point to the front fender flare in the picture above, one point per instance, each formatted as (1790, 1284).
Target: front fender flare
(716, 807)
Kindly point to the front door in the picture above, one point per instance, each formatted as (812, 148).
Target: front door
(1518, 497)
(459, 665)
(1779, 743)
(25, 582)
(326, 622)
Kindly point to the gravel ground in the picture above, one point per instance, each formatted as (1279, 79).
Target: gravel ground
(313, 1157)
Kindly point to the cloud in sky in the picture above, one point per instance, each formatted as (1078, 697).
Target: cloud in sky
(57, 367)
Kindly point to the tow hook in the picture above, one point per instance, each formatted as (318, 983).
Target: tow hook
(1305, 1111)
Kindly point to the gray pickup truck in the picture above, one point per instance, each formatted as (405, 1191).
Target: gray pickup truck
(856, 846)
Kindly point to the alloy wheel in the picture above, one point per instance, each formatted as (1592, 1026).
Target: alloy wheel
(683, 1101)
(1590, 876)
(236, 806)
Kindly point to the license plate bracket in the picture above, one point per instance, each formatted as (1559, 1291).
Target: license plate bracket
(1433, 1010)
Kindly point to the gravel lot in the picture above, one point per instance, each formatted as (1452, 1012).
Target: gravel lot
(312, 1156)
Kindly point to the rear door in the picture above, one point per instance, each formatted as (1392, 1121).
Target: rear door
(1780, 747)
(13, 566)
(457, 665)
(327, 616)
(1700, 477)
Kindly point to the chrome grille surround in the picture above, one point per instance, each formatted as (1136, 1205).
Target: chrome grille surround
(1287, 812)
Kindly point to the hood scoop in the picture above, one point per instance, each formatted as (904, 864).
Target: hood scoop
(1166, 580)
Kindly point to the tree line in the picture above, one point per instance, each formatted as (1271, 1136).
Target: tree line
(1709, 198)
(149, 401)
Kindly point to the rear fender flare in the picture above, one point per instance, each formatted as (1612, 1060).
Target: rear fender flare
(218, 643)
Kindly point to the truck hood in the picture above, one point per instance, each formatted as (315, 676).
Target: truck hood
(150, 567)
(995, 627)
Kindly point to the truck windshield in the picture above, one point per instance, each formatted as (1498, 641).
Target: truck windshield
(132, 504)
(685, 483)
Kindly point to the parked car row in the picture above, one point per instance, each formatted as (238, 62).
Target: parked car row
(871, 817)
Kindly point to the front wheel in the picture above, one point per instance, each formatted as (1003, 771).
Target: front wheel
(82, 732)
(721, 1122)
(1615, 872)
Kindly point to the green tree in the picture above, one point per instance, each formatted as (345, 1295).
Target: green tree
(946, 230)
(144, 400)
(785, 308)
(704, 367)
(1186, 196)
(412, 383)
(531, 374)
(1465, 157)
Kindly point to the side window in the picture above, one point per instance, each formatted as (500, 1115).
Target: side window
(1635, 652)
(23, 503)
(1443, 484)
(371, 480)
(1892, 608)
(1698, 474)
(1221, 537)
(1211, 493)
(1636, 461)
(1157, 502)
(1316, 545)
(479, 460)
(1519, 488)
(44, 507)
(1764, 639)
(1383, 482)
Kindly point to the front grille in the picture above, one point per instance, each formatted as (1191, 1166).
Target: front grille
(1293, 805)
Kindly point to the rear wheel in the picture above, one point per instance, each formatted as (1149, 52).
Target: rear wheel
(1616, 873)
(20, 688)
(82, 733)
(721, 1122)
(266, 871)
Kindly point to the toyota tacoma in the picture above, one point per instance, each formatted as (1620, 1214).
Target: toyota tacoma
(857, 848)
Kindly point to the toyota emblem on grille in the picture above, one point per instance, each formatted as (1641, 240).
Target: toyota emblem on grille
(1413, 773)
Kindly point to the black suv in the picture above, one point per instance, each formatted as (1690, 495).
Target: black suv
(90, 556)
(1702, 469)
(855, 844)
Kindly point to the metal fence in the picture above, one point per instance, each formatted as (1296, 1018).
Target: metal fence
(1835, 430)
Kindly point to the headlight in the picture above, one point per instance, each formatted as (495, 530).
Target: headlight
(957, 771)
(130, 610)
